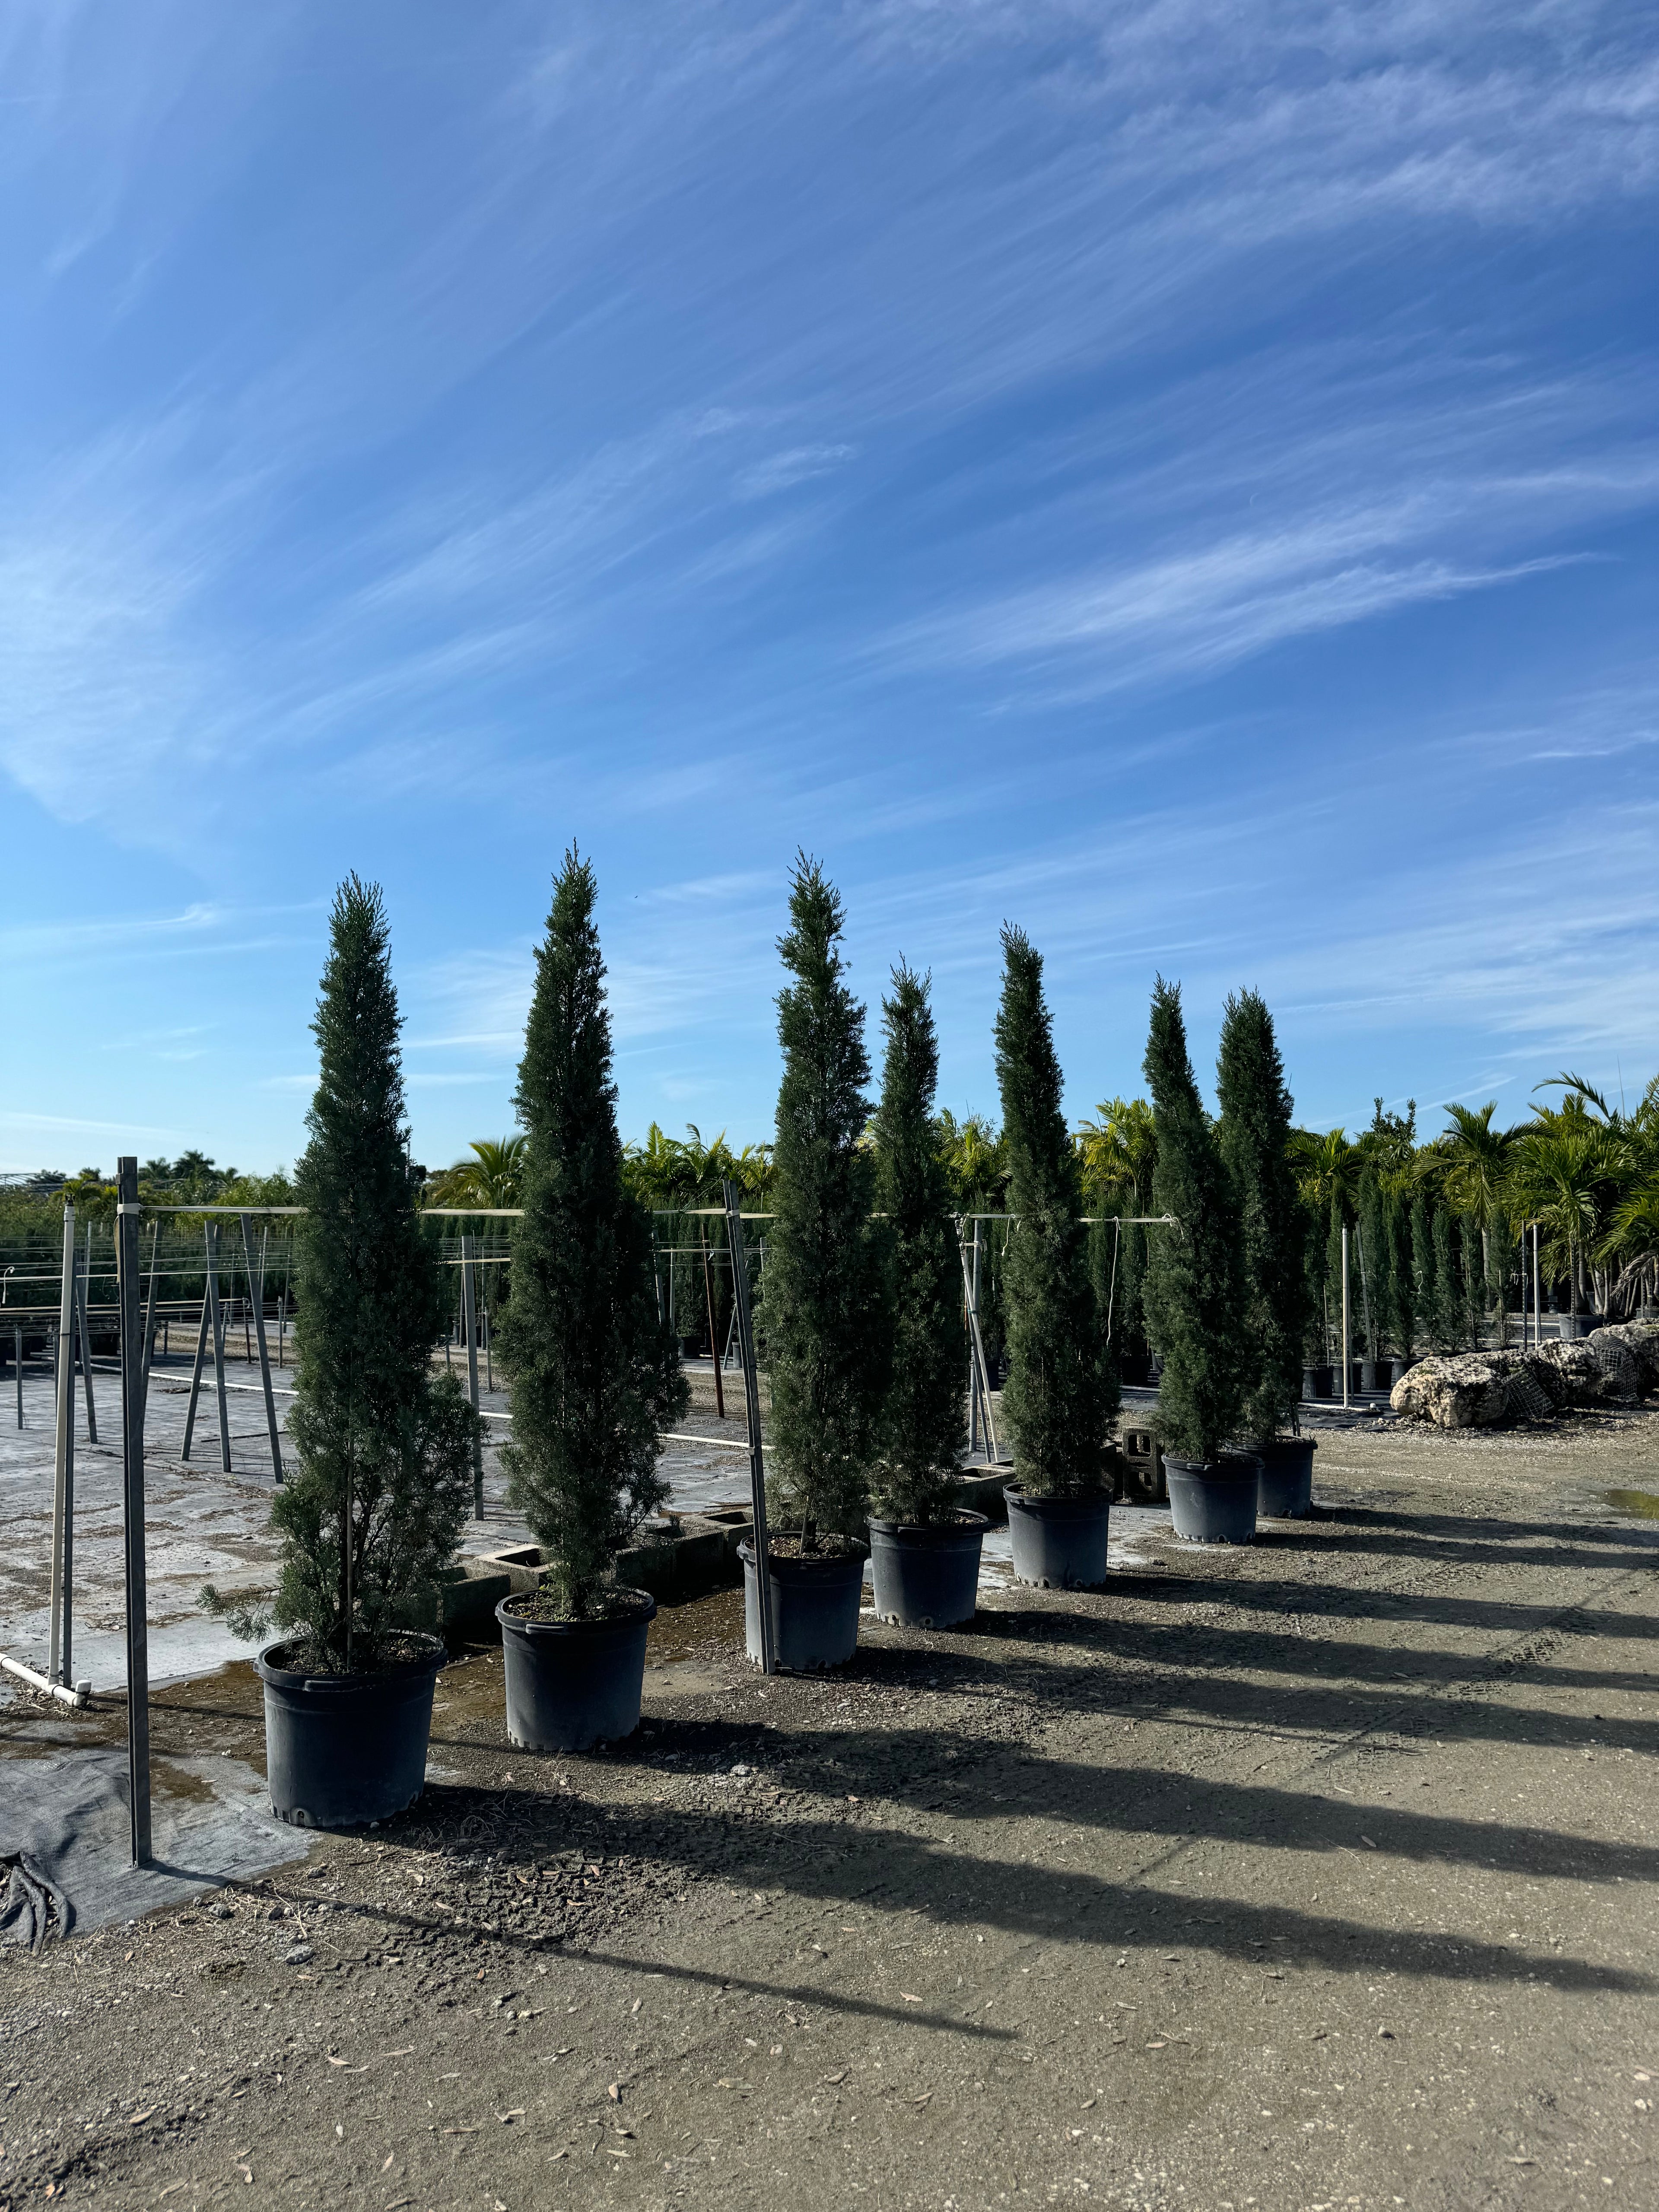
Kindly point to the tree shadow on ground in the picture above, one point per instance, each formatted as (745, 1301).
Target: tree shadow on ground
(829, 1860)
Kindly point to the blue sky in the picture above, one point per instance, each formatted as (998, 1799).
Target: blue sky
(1180, 477)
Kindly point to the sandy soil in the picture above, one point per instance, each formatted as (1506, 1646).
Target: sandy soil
(1320, 1875)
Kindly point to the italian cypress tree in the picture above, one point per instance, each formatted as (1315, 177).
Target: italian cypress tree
(1256, 1108)
(375, 1507)
(1334, 1280)
(826, 1322)
(923, 1426)
(1447, 1299)
(1195, 1287)
(1368, 1223)
(1401, 1318)
(1424, 1308)
(590, 1364)
(1061, 1393)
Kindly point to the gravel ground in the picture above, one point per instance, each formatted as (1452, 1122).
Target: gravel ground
(1320, 1875)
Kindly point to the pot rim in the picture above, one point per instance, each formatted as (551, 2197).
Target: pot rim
(964, 1522)
(429, 1661)
(638, 1614)
(849, 1563)
(1232, 1467)
(1286, 1444)
(1076, 1501)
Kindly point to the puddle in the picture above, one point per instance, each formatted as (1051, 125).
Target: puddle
(1641, 1502)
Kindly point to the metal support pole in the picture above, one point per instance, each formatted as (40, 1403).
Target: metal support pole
(258, 1289)
(84, 1334)
(18, 1341)
(63, 1493)
(132, 1459)
(217, 1313)
(489, 1365)
(756, 1452)
(1346, 1363)
(469, 1322)
(149, 1315)
(1537, 1294)
(195, 1379)
(973, 1363)
(714, 1341)
(977, 1343)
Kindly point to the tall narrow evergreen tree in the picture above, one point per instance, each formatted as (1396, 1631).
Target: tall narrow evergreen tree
(1401, 1318)
(1256, 1108)
(1334, 1279)
(1061, 1393)
(1195, 1288)
(1424, 1306)
(1372, 1262)
(825, 1316)
(375, 1506)
(923, 1426)
(590, 1364)
(1448, 1291)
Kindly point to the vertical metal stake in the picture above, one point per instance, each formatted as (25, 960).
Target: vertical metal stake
(63, 1493)
(264, 1349)
(17, 1337)
(217, 1312)
(195, 1379)
(756, 1454)
(469, 1322)
(132, 1459)
(713, 1342)
(1346, 1363)
(973, 1364)
(149, 1315)
(82, 1295)
(1537, 1294)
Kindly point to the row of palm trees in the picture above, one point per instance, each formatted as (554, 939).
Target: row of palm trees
(1585, 1171)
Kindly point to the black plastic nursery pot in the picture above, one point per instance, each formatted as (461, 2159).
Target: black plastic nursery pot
(571, 1684)
(815, 1606)
(1284, 1489)
(1214, 1501)
(342, 1751)
(1059, 1543)
(926, 1573)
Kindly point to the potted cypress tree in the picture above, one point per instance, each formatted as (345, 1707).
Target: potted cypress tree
(824, 1306)
(1195, 1298)
(382, 1481)
(1061, 1392)
(1255, 1131)
(592, 1374)
(924, 1547)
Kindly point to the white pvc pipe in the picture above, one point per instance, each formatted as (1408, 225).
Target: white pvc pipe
(75, 1696)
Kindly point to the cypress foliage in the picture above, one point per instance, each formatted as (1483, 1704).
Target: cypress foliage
(1424, 1308)
(591, 1367)
(826, 1329)
(1061, 1393)
(1256, 1110)
(924, 1426)
(1193, 1275)
(374, 1509)
(1333, 1281)
(1369, 1258)
(1448, 1299)
(1401, 1319)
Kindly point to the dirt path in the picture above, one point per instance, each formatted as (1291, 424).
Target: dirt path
(1319, 1875)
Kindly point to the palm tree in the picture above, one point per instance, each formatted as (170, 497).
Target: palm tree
(1472, 1162)
(490, 1178)
(1327, 1168)
(1117, 1153)
(1564, 1178)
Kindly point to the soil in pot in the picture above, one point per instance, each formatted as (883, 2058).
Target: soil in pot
(344, 1750)
(1059, 1543)
(1214, 1501)
(815, 1601)
(926, 1573)
(571, 1684)
(1283, 1489)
